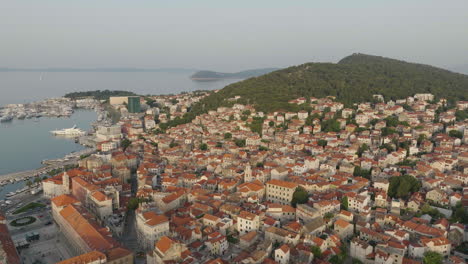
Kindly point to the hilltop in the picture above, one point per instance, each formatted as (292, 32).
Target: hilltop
(212, 75)
(353, 79)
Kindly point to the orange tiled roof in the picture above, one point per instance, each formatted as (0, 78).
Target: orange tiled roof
(85, 229)
(99, 196)
(63, 200)
(164, 244)
(85, 258)
(154, 219)
(290, 185)
(342, 223)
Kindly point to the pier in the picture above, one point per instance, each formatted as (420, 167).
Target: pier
(51, 165)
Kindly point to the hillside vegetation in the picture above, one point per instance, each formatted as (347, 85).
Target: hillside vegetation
(98, 94)
(354, 79)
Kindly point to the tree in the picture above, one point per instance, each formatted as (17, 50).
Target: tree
(331, 125)
(344, 203)
(421, 138)
(391, 121)
(29, 183)
(227, 135)
(432, 257)
(356, 261)
(360, 172)
(133, 203)
(364, 147)
(37, 179)
(427, 209)
(316, 251)
(240, 142)
(300, 196)
(125, 143)
(203, 146)
(271, 123)
(403, 186)
(262, 148)
(388, 147)
(173, 144)
(456, 134)
(328, 215)
(459, 214)
(461, 115)
(322, 142)
(388, 131)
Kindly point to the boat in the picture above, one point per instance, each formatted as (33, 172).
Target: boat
(74, 131)
(6, 118)
(21, 115)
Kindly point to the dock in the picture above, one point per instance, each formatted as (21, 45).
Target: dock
(60, 163)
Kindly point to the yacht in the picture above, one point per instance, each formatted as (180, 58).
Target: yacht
(74, 131)
(6, 118)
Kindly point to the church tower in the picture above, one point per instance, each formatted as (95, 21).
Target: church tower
(248, 173)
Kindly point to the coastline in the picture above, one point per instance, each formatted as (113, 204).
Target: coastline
(56, 157)
(209, 79)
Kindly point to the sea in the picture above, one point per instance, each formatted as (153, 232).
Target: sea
(24, 87)
(25, 143)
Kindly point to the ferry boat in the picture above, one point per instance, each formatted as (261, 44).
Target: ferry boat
(74, 131)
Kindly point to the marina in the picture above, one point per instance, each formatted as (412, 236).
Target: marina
(27, 144)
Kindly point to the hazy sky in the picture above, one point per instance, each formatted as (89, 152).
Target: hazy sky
(228, 35)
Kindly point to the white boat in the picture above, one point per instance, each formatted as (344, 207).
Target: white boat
(69, 132)
(6, 118)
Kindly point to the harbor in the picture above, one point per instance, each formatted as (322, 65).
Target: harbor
(30, 150)
(53, 107)
(53, 164)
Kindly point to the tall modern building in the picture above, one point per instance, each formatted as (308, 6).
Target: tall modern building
(134, 104)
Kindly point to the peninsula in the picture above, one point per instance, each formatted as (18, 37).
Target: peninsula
(213, 76)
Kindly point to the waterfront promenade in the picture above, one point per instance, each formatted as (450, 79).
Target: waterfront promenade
(24, 175)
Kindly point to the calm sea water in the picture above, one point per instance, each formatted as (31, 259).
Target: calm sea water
(23, 87)
(25, 143)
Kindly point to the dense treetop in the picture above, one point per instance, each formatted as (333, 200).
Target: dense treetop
(98, 94)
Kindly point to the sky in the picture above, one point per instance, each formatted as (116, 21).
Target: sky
(228, 35)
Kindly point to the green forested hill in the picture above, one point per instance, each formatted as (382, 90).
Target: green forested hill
(354, 79)
(98, 94)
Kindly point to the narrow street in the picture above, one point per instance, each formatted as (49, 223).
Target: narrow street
(129, 238)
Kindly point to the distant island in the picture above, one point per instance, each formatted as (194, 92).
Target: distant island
(460, 69)
(109, 69)
(212, 75)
